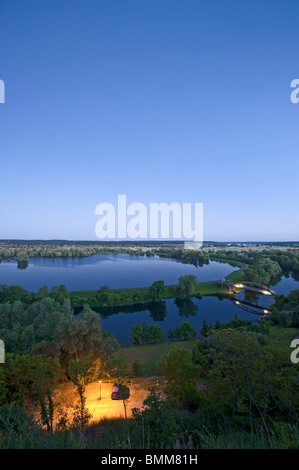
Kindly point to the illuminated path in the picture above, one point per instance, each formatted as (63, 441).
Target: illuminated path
(251, 308)
(255, 287)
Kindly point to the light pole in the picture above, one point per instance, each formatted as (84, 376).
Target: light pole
(100, 382)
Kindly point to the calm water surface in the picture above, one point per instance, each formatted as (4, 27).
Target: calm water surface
(121, 271)
(112, 270)
(210, 308)
(169, 314)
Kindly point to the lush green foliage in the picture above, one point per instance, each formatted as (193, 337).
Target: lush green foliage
(264, 266)
(285, 310)
(232, 390)
(143, 333)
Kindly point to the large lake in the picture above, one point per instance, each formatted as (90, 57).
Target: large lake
(112, 270)
(120, 271)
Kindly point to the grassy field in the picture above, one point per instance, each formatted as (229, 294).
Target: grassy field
(151, 355)
(236, 276)
(122, 297)
(281, 338)
(210, 288)
(251, 248)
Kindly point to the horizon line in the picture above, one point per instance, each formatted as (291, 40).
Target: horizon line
(140, 240)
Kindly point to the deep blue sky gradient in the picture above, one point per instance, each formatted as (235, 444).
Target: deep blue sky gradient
(161, 100)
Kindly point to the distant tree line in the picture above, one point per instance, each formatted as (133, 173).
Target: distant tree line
(22, 251)
(265, 266)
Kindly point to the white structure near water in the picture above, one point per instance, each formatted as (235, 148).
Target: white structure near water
(193, 245)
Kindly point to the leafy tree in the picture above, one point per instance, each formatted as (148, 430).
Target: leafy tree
(140, 333)
(22, 256)
(47, 408)
(177, 333)
(264, 327)
(256, 380)
(157, 291)
(104, 295)
(171, 335)
(187, 331)
(15, 293)
(137, 333)
(205, 328)
(159, 421)
(81, 374)
(181, 374)
(78, 339)
(16, 425)
(137, 297)
(23, 376)
(42, 293)
(156, 334)
(200, 356)
(186, 286)
(59, 293)
(295, 318)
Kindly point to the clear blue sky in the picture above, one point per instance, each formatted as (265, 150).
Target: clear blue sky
(161, 100)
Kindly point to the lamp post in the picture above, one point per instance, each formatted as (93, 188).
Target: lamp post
(100, 382)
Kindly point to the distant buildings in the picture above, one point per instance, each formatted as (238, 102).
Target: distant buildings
(193, 245)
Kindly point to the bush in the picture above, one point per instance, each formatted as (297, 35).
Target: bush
(160, 422)
(295, 319)
(136, 368)
(282, 319)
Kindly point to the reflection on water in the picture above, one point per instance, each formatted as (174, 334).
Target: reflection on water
(253, 302)
(158, 310)
(186, 308)
(22, 264)
(112, 270)
(175, 311)
(118, 271)
(252, 297)
(251, 308)
(287, 283)
(119, 320)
